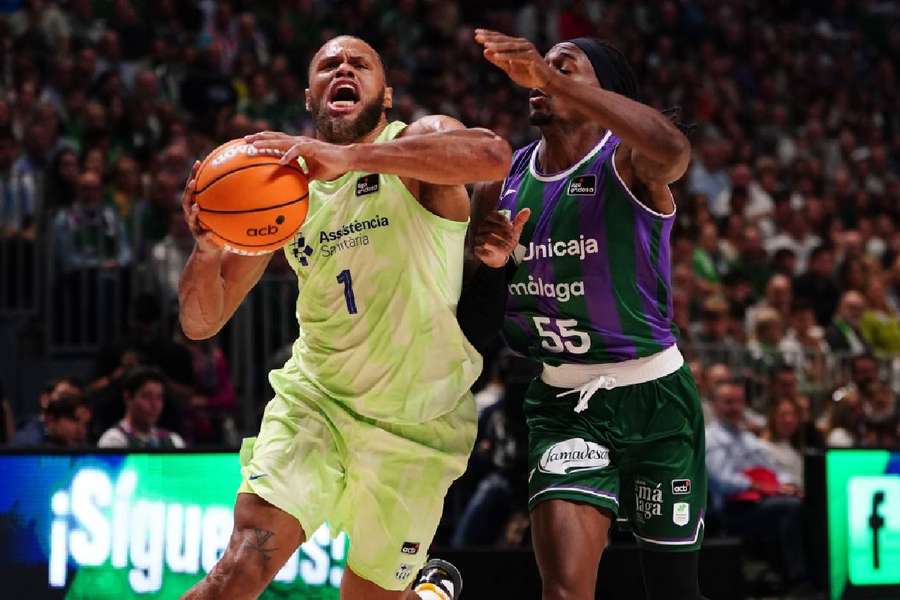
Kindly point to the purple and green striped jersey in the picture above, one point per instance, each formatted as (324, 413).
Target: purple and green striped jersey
(593, 280)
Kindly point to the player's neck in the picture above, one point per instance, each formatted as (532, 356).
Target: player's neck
(562, 147)
(134, 428)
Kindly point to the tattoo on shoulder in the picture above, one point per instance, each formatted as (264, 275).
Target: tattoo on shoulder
(259, 540)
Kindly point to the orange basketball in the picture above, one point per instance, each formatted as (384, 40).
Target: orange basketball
(252, 204)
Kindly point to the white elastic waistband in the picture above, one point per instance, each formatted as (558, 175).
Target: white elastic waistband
(628, 372)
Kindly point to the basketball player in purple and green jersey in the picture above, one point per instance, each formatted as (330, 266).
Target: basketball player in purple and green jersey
(615, 425)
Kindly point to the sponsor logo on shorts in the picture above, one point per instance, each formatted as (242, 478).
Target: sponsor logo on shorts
(583, 185)
(367, 184)
(410, 548)
(648, 499)
(403, 572)
(681, 513)
(257, 476)
(571, 455)
(681, 487)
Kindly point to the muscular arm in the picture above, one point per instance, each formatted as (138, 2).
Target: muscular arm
(212, 286)
(643, 129)
(438, 150)
(214, 282)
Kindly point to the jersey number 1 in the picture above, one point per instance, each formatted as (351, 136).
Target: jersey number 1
(344, 277)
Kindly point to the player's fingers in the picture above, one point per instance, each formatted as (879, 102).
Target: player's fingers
(194, 168)
(508, 46)
(280, 144)
(518, 56)
(294, 152)
(264, 135)
(520, 220)
(496, 217)
(489, 35)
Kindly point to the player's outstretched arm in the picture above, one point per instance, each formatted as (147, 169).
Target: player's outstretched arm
(663, 148)
(436, 149)
(214, 282)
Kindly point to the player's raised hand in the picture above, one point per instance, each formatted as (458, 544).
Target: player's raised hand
(496, 237)
(516, 56)
(203, 237)
(323, 160)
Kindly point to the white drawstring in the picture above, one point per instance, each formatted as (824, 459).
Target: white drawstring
(604, 382)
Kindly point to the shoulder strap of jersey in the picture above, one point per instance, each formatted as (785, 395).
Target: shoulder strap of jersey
(520, 160)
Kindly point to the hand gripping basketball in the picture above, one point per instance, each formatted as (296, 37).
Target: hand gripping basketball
(245, 200)
(205, 242)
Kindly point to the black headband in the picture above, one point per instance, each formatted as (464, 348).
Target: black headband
(610, 66)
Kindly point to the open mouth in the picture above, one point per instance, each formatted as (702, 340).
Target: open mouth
(344, 96)
(538, 99)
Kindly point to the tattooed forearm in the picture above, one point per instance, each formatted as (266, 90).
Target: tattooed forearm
(258, 540)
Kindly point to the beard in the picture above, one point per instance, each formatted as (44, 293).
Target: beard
(343, 130)
(540, 118)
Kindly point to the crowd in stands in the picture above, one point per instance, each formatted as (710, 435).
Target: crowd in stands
(786, 253)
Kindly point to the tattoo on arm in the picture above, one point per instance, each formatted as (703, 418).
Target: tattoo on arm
(259, 538)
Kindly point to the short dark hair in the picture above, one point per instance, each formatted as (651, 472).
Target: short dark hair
(66, 406)
(70, 379)
(138, 376)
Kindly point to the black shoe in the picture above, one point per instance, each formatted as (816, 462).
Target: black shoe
(441, 575)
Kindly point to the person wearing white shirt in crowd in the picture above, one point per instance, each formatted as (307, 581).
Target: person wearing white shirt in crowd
(144, 395)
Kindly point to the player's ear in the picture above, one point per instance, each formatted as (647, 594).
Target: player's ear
(308, 103)
(388, 98)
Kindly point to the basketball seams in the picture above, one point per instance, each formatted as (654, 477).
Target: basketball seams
(244, 168)
(253, 210)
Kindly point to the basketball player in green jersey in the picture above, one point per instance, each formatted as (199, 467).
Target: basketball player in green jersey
(615, 424)
(372, 417)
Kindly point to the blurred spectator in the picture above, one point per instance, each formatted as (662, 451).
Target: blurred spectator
(759, 502)
(847, 421)
(707, 175)
(882, 419)
(713, 332)
(880, 324)
(765, 344)
(143, 393)
(126, 191)
(797, 238)
(148, 342)
(33, 429)
(66, 421)
(61, 184)
(785, 437)
(804, 344)
(844, 335)
(779, 296)
(212, 401)
(169, 255)
(153, 216)
(18, 192)
(89, 234)
(817, 286)
(706, 260)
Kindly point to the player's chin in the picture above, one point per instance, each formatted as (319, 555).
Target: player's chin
(540, 117)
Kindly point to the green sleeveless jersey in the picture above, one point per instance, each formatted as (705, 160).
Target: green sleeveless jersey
(593, 276)
(379, 280)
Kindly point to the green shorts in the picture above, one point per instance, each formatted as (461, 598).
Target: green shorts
(639, 449)
(383, 484)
